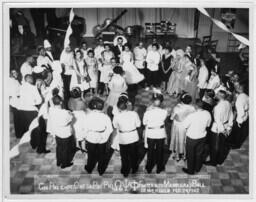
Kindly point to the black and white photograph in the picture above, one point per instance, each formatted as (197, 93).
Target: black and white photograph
(124, 100)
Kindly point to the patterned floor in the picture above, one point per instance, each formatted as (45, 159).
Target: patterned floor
(33, 173)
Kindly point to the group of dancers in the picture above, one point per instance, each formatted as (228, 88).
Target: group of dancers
(211, 114)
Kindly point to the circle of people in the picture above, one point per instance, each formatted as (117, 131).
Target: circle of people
(211, 113)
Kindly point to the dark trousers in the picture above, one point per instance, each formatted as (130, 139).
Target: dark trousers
(39, 136)
(132, 92)
(195, 149)
(15, 113)
(96, 154)
(129, 158)
(217, 148)
(155, 154)
(24, 120)
(144, 72)
(66, 85)
(153, 78)
(101, 88)
(65, 150)
(238, 134)
(201, 92)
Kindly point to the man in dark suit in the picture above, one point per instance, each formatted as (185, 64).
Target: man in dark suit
(118, 49)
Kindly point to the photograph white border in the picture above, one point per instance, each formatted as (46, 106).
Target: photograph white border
(5, 58)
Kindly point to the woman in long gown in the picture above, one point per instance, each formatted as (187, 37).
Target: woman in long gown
(178, 132)
(106, 69)
(174, 83)
(132, 74)
(117, 86)
(78, 78)
(189, 79)
(92, 66)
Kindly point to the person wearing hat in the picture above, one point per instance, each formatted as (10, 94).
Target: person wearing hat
(196, 125)
(126, 124)
(155, 133)
(61, 128)
(117, 86)
(98, 128)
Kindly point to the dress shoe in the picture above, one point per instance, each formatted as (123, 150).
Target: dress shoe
(185, 170)
(65, 166)
(44, 152)
(209, 163)
(85, 167)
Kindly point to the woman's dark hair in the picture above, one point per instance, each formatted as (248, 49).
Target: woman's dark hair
(76, 92)
(55, 91)
(169, 48)
(96, 103)
(90, 51)
(122, 104)
(127, 45)
(118, 70)
(186, 99)
(156, 45)
(210, 93)
(57, 100)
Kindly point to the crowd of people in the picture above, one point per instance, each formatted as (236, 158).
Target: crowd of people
(211, 114)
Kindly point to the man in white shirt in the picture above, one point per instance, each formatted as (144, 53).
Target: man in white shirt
(202, 78)
(98, 128)
(196, 125)
(241, 125)
(140, 54)
(60, 121)
(154, 41)
(28, 102)
(221, 128)
(155, 133)
(153, 59)
(26, 67)
(126, 123)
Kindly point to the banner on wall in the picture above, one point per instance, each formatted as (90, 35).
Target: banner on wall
(221, 25)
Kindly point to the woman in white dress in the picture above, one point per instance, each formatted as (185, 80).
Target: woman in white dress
(117, 86)
(78, 78)
(106, 69)
(132, 74)
(178, 132)
(92, 66)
